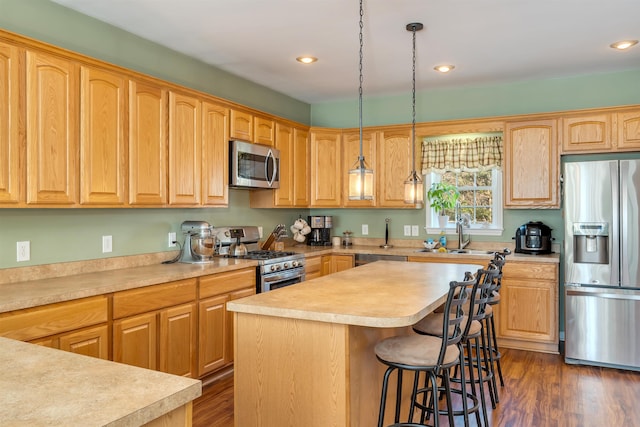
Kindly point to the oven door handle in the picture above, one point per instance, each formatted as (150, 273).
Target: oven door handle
(285, 275)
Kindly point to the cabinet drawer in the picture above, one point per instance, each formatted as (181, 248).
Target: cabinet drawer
(136, 301)
(223, 283)
(534, 271)
(313, 265)
(38, 322)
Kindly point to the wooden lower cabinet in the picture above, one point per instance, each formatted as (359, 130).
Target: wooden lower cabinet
(78, 326)
(335, 263)
(527, 316)
(155, 327)
(215, 326)
(313, 267)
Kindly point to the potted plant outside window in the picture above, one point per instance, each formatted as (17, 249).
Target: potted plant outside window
(442, 197)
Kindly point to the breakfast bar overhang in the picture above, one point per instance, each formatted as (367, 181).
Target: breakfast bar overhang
(303, 355)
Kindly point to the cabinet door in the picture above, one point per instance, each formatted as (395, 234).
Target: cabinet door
(185, 148)
(394, 165)
(584, 134)
(215, 155)
(11, 159)
(178, 340)
(89, 342)
(147, 144)
(135, 341)
(229, 347)
(241, 125)
(52, 130)
(283, 196)
(341, 263)
(350, 154)
(103, 154)
(531, 165)
(301, 179)
(263, 131)
(326, 266)
(628, 127)
(326, 168)
(212, 326)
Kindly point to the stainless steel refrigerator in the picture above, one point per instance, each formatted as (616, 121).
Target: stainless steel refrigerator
(601, 263)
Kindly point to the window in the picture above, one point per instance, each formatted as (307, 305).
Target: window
(480, 198)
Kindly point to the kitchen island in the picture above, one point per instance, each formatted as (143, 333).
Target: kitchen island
(47, 387)
(304, 354)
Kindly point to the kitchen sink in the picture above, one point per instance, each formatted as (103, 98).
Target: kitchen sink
(460, 251)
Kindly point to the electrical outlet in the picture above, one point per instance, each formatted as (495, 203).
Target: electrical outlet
(171, 239)
(407, 230)
(260, 232)
(365, 229)
(415, 230)
(24, 251)
(107, 244)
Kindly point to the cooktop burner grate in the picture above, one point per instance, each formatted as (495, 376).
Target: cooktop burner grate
(267, 254)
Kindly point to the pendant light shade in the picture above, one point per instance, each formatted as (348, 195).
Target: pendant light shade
(360, 175)
(413, 187)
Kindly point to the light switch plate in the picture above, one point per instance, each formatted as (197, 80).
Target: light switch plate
(415, 231)
(107, 244)
(365, 229)
(407, 230)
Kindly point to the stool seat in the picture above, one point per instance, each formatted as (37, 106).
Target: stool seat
(432, 325)
(415, 350)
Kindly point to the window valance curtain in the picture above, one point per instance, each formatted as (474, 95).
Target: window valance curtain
(461, 154)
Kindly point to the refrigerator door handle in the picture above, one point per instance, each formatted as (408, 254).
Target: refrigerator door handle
(604, 294)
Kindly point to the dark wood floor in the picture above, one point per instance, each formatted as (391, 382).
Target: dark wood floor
(540, 390)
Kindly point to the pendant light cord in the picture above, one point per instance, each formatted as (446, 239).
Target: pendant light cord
(413, 104)
(361, 158)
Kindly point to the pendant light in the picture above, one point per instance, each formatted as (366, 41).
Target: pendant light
(360, 175)
(413, 188)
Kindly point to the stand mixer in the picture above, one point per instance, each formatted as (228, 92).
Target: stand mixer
(199, 242)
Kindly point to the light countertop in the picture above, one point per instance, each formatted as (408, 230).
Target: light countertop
(384, 294)
(46, 387)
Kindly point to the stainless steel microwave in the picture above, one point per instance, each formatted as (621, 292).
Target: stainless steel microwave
(253, 165)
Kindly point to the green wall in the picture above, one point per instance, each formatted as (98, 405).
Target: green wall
(59, 235)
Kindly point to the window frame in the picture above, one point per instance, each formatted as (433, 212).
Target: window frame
(494, 229)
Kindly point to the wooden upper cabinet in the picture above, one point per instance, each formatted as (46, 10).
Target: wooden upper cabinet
(263, 131)
(215, 153)
(52, 130)
(587, 133)
(12, 173)
(185, 148)
(350, 154)
(628, 130)
(241, 125)
(326, 168)
(103, 148)
(531, 164)
(283, 196)
(301, 178)
(394, 166)
(147, 144)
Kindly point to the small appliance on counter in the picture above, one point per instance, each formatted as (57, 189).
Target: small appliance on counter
(199, 242)
(320, 230)
(533, 238)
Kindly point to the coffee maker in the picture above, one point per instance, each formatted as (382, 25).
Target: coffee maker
(320, 231)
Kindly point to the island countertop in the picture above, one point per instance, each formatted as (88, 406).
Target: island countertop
(384, 294)
(47, 387)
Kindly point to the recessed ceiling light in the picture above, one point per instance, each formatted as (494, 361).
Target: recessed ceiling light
(306, 59)
(624, 44)
(444, 68)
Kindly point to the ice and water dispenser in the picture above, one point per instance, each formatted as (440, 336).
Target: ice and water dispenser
(591, 242)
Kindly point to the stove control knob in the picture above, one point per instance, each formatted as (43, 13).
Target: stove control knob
(286, 265)
(273, 268)
(294, 264)
(278, 266)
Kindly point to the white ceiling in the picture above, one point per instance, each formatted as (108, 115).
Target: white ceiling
(489, 41)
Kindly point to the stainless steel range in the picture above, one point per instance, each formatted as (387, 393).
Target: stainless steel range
(276, 269)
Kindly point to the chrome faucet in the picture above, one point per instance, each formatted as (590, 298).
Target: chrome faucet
(462, 221)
